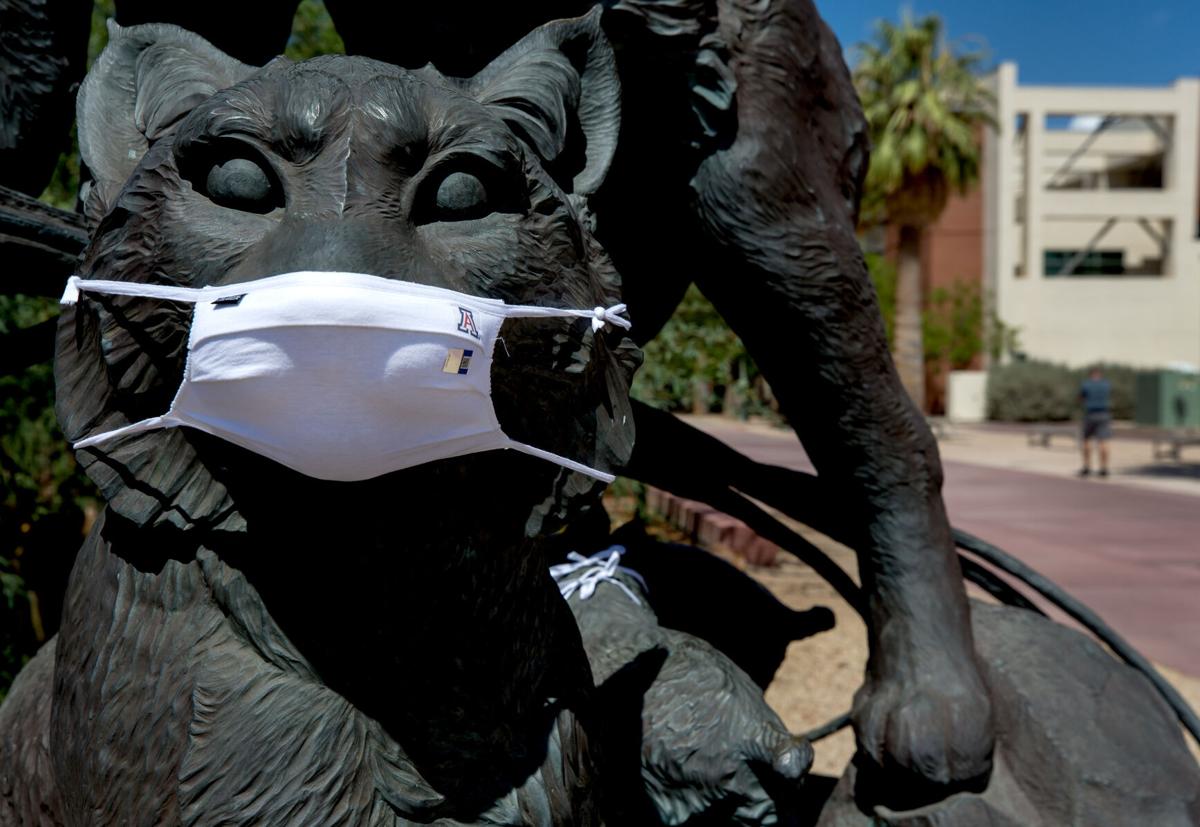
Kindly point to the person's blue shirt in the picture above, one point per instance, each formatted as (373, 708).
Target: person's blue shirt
(1095, 394)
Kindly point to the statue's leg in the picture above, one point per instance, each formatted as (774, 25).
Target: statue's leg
(777, 200)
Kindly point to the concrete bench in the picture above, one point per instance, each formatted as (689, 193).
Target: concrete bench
(1042, 434)
(939, 425)
(1171, 445)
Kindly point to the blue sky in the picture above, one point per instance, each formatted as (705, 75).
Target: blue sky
(1135, 42)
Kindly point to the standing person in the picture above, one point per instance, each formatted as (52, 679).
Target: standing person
(1095, 395)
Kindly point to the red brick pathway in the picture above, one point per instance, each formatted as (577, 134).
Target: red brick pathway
(1131, 554)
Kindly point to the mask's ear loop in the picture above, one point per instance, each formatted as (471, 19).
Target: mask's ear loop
(152, 424)
(600, 317)
(76, 285)
(560, 460)
(191, 295)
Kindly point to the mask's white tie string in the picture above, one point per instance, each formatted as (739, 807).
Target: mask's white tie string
(600, 316)
(137, 289)
(601, 566)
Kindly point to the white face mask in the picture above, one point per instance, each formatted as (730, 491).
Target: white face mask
(341, 376)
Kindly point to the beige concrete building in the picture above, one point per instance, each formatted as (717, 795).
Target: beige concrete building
(1090, 220)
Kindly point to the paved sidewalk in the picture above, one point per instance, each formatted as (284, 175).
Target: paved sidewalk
(1130, 456)
(1128, 547)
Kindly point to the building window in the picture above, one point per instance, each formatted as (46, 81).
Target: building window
(1116, 246)
(1081, 263)
(1106, 151)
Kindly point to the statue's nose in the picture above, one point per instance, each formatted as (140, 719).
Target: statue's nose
(350, 244)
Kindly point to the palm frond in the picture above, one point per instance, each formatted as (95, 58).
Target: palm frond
(924, 103)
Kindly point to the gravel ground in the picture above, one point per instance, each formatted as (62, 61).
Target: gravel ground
(818, 679)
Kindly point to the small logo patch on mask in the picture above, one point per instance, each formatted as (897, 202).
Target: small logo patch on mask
(457, 361)
(466, 322)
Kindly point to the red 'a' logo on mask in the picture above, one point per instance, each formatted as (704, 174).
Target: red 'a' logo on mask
(466, 322)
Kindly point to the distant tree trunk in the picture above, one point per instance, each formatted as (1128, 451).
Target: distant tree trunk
(701, 394)
(733, 403)
(910, 350)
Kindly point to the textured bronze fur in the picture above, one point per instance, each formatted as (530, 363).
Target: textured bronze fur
(245, 644)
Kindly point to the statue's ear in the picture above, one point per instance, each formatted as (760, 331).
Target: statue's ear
(558, 90)
(146, 79)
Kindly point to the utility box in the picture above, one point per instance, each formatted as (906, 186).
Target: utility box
(1167, 399)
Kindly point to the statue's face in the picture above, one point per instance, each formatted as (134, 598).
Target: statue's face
(351, 165)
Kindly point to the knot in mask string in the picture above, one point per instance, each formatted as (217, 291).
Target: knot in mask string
(71, 292)
(592, 571)
(609, 315)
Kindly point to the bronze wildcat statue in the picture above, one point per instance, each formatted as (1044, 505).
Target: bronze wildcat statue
(739, 165)
(244, 643)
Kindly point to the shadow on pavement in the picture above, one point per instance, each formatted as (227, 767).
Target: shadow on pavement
(1163, 470)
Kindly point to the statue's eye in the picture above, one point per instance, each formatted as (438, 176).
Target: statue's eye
(241, 184)
(468, 188)
(237, 180)
(460, 196)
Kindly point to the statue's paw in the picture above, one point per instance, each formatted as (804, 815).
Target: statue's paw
(927, 736)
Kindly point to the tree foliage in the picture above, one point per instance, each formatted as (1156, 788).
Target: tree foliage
(313, 33)
(923, 101)
(924, 105)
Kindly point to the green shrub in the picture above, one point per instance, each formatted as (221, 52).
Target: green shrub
(1036, 391)
(697, 363)
(883, 277)
(952, 325)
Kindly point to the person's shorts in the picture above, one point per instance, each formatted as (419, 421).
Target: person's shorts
(1097, 426)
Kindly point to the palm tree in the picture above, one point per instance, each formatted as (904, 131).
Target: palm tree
(924, 105)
